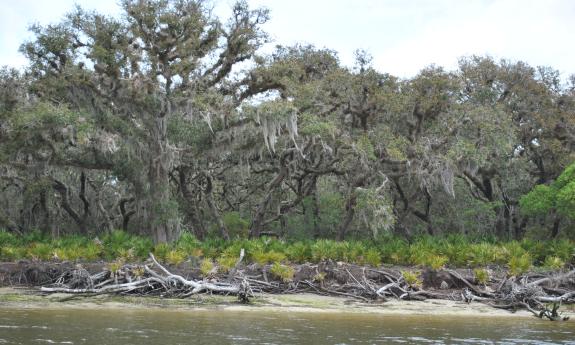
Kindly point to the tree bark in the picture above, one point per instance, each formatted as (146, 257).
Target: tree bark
(161, 214)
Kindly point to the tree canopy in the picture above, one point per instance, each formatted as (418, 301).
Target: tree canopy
(167, 118)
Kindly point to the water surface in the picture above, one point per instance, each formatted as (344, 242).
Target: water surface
(141, 327)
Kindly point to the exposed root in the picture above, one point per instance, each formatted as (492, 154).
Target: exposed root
(539, 294)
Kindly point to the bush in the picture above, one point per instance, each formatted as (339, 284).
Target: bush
(10, 253)
(175, 257)
(481, 276)
(226, 263)
(323, 250)
(8, 239)
(412, 278)
(161, 251)
(40, 251)
(437, 262)
(285, 273)
(206, 267)
(263, 258)
(187, 243)
(299, 252)
(372, 257)
(520, 264)
(553, 263)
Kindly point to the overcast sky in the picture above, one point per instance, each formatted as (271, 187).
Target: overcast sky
(402, 36)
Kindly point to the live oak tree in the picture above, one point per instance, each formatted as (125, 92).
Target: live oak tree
(131, 75)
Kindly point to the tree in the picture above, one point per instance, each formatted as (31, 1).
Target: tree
(555, 200)
(131, 76)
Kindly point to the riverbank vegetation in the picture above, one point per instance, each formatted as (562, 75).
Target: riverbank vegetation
(454, 251)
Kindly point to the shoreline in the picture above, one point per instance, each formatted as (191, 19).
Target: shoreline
(26, 298)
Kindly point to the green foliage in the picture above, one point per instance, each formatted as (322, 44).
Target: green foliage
(115, 266)
(118, 241)
(206, 267)
(323, 250)
(40, 251)
(559, 196)
(11, 253)
(8, 239)
(226, 263)
(175, 257)
(161, 251)
(272, 256)
(539, 201)
(427, 251)
(412, 278)
(237, 226)
(284, 272)
(553, 263)
(299, 252)
(481, 276)
(566, 200)
(188, 243)
(519, 264)
(436, 262)
(372, 257)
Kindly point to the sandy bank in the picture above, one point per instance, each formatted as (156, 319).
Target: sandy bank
(29, 298)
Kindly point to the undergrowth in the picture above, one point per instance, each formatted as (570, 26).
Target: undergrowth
(424, 252)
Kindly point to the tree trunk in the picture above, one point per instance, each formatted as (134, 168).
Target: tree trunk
(161, 214)
(214, 209)
(258, 219)
(349, 213)
(555, 228)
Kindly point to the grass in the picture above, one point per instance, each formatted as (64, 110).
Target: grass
(424, 252)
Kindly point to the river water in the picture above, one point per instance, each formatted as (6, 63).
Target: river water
(168, 327)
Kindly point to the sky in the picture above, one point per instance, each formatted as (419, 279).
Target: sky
(403, 36)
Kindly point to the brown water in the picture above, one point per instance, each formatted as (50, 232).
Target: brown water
(124, 327)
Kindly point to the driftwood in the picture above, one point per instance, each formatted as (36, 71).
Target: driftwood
(142, 280)
(540, 294)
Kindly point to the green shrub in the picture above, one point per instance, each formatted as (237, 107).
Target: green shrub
(187, 243)
(161, 251)
(40, 251)
(206, 267)
(481, 254)
(372, 257)
(237, 226)
(92, 251)
(114, 242)
(481, 276)
(412, 278)
(175, 257)
(226, 263)
(263, 258)
(553, 263)
(437, 262)
(10, 253)
(284, 272)
(519, 265)
(299, 252)
(394, 250)
(8, 239)
(323, 250)
(115, 266)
